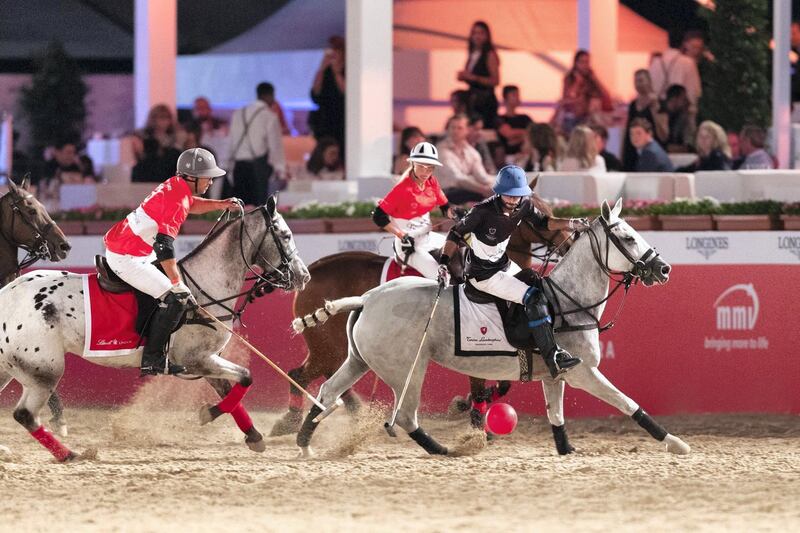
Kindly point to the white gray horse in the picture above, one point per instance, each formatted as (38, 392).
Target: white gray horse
(400, 309)
(42, 318)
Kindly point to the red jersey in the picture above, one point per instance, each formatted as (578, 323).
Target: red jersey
(407, 201)
(163, 211)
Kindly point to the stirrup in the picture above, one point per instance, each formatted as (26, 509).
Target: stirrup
(558, 367)
(159, 370)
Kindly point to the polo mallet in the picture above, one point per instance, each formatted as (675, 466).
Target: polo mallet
(389, 426)
(325, 412)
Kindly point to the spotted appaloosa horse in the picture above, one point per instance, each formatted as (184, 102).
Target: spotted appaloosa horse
(42, 317)
(348, 273)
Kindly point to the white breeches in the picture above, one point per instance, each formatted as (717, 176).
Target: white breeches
(504, 285)
(421, 260)
(140, 273)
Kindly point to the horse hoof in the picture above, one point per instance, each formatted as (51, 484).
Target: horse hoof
(257, 446)
(60, 427)
(288, 424)
(305, 452)
(205, 415)
(90, 454)
(458, 405)
(676, 445)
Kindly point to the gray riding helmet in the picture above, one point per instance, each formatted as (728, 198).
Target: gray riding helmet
(199, 163)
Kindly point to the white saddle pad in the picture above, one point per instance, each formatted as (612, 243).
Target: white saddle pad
(479, 328)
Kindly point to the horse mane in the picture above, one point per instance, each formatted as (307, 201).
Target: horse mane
(542, 205)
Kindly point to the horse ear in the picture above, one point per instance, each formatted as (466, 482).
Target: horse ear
(533, 182)
(272, 205)
(605, 211)
(617, 208)
(26, 179)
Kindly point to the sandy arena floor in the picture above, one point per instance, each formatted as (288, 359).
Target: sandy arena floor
(157, 470)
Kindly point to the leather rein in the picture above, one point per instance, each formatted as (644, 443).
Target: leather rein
(279, 276)
(641, 267)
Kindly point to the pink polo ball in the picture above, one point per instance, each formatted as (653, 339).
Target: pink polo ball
(501, 419)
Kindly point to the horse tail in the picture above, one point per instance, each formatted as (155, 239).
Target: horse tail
(321, 315)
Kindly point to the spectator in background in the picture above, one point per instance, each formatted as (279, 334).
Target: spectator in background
(645, 106)
(476, 140)
(328, 93)
(203, 122)
(512, 127)
(680, 121)
(156, 164)
(463, 177)
(482, 73)
(712, 149)
(162, 128)
(582, 152)
(601, 138)
(581, 88)
(673, 67)
(409, 138)
(540, 151)
(67, 166)
(752, 140)
(325, 162)
(459, 102)
(257, 150)
(733, 142)
(652, 158)
(794, 55)
(269, 98)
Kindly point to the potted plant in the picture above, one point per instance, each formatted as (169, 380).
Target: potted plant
(70, 222)
(345, 217)
(758, 215)
(638, 213)
(790, 216)
(686, 214)
(99, 219)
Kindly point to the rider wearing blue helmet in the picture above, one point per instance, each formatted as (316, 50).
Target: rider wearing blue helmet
(488, 268)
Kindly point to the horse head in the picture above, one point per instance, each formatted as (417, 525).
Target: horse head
(275, 251)
(27, 225)
(625, 251)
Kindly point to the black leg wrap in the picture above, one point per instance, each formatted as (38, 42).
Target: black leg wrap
(563, 447)
(427, 442)
(295, 375)
(650, 425)
(215, 412)
(476, 418)
(307, 430)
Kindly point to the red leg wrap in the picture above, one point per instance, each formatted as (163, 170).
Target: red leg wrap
(296, 402)
(480, 406)
(242, 418)
(232, 399)
(52, 444)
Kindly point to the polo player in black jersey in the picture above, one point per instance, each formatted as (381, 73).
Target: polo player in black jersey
(488, 268)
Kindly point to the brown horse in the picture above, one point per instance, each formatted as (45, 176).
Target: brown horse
(348, 273)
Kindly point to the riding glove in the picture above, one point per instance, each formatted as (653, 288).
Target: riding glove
(181, 290)
(578, 224)
(443, 276)
(407, 244)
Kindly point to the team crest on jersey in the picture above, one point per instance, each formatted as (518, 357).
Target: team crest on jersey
(492, 231)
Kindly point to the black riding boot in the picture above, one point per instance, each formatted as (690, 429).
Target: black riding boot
(556, 358)
(164, 320)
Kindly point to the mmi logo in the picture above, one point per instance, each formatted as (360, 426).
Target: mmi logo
(741, 311)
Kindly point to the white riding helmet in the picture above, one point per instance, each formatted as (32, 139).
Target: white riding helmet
(425, 153)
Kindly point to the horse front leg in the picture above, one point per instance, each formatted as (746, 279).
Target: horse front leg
(595, 383)
(58, 422)
(554, 401)
(218, 371)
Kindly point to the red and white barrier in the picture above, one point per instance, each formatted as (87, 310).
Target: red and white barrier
(721, 336)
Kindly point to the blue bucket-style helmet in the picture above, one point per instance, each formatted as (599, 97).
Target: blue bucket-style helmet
(512, 181)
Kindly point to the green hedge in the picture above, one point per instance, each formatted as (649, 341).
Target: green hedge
(703, 206)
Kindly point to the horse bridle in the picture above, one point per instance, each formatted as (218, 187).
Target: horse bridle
(34, 251)
(640, 267)
(280, 276)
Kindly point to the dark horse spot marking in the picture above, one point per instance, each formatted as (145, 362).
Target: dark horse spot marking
(69, 296)
(49, 313)
(6, 340)
(43, 289)
(19, 327)
(72, 309)
(4, 327)
(39, 298)
(53, 287)
(61, 284)
(36, 349)
(69, 315)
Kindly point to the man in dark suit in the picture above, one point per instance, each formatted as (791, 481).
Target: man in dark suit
(652, 158)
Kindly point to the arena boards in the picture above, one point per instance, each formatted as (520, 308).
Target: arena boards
(708, 341)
